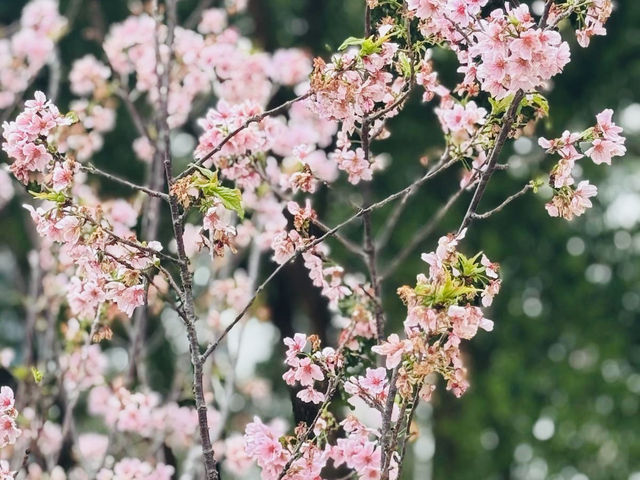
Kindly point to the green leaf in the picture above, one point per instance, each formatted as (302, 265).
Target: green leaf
(72, 117)
(231, 199)
(211, 175)
(37, 374)
(57, 197)
(500, 106)
(369, 46)
(350, 42)
(537, 183)
(537, 101)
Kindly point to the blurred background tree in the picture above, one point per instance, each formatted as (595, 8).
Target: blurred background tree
(556, 387)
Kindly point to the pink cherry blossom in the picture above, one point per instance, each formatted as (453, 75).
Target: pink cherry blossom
(393, 349)
(306, 372)
(602, 151)
(310, 395)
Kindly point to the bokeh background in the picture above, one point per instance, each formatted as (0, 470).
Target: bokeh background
(556, 387)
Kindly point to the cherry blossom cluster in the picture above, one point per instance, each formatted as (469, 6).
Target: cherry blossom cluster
(304, 458)
(262, 445)
(352, 87)
(592, 17)
(109, 261)
(605, 143)
(95, 111)
(355, 82)
(135, 469)
(143, 414)
(308, 368)
(467, 129)
(234, 157)
(23, 54)
(9, 431)
(246, 193)
(26, 142)
(83, 368)
(504, 52)
(272, 451)
(513, 53)
(217, 56)
(323, 272)
(442, 310)
(131, 48)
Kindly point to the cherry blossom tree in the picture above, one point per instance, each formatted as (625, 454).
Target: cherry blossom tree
(247, 196)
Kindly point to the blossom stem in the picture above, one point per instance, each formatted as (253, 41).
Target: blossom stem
(256, 118)
(507, 122)
(386, 424)
(374, 206)
(96, 171)
(188, 307)
(507, 201)
(422, 234)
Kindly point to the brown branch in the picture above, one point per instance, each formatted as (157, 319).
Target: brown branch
(507, 201)
(122, 181)
(407, 434)
(164, 146)
(368, 244)
(421, 235)
(131, 244)
(508, 120)
(386, 423)
(25, 462)
(545, 14)
(394, 218)
(246, 124)
(149, 226)
(374, 206)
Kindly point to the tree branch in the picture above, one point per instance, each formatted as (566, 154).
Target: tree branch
(506, 202)
(394, 218)
(421, 235)
(114, 178)
(374, 206)
(254, 119)
(189, 317)
(507, 122)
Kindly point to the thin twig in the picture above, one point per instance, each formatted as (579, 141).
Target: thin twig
(374, 206)
(508, 120)
(348, 244)
(331, 389)
(421, 235)
(393, 219)
(506, 202)
(196, 14)
(134, 113)
(246, 124)
(122, 181)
